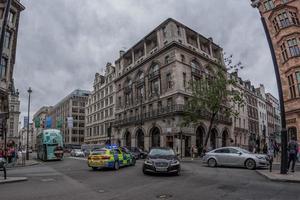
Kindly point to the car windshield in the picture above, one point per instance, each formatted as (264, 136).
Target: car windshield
(99, 152)
(244, 151)
(161, 152)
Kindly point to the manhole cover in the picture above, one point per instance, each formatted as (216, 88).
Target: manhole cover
(164, 196)
(101, 191)
(48, 179)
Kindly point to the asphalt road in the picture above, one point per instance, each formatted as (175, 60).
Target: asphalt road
(72, 179)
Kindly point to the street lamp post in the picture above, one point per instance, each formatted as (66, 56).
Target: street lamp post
(283, 167)
(27, 139)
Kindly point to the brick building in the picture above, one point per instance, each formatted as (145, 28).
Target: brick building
(283, 23)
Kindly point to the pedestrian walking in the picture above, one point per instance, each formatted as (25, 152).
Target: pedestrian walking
(194, 152)
(292, 150)
(265, 148)
(270, 155)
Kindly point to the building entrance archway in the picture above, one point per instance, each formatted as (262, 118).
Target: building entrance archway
(127, 139)
(225, 138)
(200, 133)
(155, 137)
(213, 138)
(140, 139)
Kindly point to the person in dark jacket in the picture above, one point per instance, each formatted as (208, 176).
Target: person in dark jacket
(292, 150)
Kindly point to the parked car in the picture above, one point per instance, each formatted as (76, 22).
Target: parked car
(234, 156)
(110, 157)
(77, 153)
(139, 152)
(161, 160)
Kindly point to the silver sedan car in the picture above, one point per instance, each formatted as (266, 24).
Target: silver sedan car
(234, 156)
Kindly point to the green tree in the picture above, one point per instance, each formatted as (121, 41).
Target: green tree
(211, 96)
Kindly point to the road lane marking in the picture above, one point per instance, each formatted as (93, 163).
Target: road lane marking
(78, 158)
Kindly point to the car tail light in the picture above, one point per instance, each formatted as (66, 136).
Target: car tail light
(89, 158)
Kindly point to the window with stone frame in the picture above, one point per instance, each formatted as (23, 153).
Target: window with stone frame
(284, 52)
(169, 81)
(140, 93)
(276, 24)
(3, 67)
(294, 18)
(184, 79)
(269, 4)
(154, 86)
(293, 47)
(284, 20)
(167, 59)
(298, 81)
(7, 39)
(292, 86)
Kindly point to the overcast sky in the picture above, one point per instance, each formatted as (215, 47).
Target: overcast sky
(63, 43)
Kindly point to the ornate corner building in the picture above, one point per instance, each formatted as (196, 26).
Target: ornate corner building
(9, 21)
(152, 88)
(283, 23)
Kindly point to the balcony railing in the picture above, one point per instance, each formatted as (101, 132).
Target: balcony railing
(172, 109)
(139, 82)
(155, 113)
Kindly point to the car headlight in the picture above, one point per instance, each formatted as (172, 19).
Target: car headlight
(148, 162)
(261, 157)
(174, 162)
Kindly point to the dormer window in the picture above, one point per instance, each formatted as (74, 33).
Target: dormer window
(269, 4)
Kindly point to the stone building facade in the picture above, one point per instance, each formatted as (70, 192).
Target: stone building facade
(100, 108)
(73, 105)
(8, 58)
(152, 87)
(283, 19)
(13, 120)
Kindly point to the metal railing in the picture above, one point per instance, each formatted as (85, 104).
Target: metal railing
(167, 110)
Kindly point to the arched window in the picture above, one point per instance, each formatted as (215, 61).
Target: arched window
(154, 68)
(140, 76)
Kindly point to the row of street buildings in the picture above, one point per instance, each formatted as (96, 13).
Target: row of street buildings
(10, 12)
(139, 100)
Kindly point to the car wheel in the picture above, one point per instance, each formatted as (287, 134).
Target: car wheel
(250, 164)
(116, 165)
(145, 172)
(212, 162)
(94, 168)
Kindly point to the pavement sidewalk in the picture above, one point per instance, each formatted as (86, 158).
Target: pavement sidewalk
(276, 176)
(12, 179)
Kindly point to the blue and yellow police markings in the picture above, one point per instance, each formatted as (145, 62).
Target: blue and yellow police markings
(110, 157)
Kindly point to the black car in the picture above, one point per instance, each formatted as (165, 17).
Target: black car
(161, 160)
(138, 152)
(126, 150)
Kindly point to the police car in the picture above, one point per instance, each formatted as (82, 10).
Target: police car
(110, 157)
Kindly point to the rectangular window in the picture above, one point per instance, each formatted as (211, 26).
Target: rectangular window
(111, 112)
(276, 25)
(294, 18)
(3, 67)
(110, 89)
(284, 20)
(184, 79)
(169, 81)
(111, 99)
(291, 86)
(120, 101)
(298, 81)
(7, 38)
(11, 17)
(284, 52)
(269, 4)
(155, 87)
(293, 47)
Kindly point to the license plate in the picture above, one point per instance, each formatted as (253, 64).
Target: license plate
(160, 169)
(98, 163)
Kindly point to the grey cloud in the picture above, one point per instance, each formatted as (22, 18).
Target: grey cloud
(62, 43)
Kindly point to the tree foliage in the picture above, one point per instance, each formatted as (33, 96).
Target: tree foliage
(211, 97)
